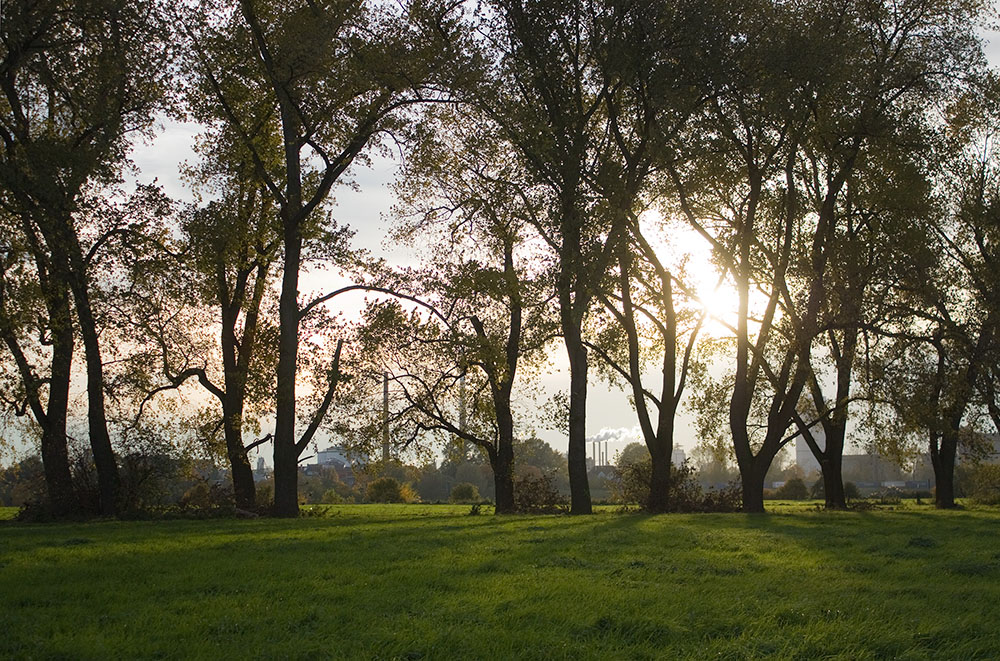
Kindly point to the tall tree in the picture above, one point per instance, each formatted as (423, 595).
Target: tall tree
(78, 78)
(938, 373)
(786, 219)
(221, 267)
(652, 60)
(484, 281)
(35, 319)
(331, 75)
(547, 101)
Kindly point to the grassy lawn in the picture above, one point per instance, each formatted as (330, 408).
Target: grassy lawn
(429, 582)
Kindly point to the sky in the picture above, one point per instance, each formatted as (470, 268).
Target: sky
(367, 209)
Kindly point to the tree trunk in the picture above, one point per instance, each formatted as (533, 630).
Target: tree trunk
(286, 482)
(753, 486)
(943, 460)
(244, 490)
(66, 248)
(659, 483)
(503, 483)
(55, 458)
(831, 463)
(503, 464)
(833, 483)
(577, 451)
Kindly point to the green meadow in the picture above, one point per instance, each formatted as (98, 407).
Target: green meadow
(432, 582)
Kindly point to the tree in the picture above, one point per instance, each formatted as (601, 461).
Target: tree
(828, 116)
(937, 374)
(34, 305)
(653, 75)
(78, 78)
(631, 454)
(545, 99)
(222, 267)
(330, 76)
(488, 300)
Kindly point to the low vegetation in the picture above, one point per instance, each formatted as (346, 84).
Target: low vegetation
(429, 582)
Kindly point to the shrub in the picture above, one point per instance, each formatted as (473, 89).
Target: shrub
(793, 489)
(888, 496)
(985, 484)
(686, 494)
(265, 495)
(537, 494)
(385, 490)
(389, 490)
(818, 490)
(464, 492)
(208, 497)
(409, 494)
(331, 497)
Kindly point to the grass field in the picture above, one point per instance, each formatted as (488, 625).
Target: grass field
(430, 582)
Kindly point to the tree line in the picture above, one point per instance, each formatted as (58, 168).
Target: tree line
(835, 157)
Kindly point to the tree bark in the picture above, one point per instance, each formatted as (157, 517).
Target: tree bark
(236, 364)
(659, 483)
(52, 417)
(833, 482)
(70, 267)
(753, 486)
(943, 460)
(578, 483)
(55, 457)
(503, 479)
(286, 494)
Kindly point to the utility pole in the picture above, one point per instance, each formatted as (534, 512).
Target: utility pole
(385, 416)
(462, 411)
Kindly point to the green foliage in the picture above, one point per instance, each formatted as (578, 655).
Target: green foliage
(208, 496)
(631, 454)
(332, 497)
(686, 494)
(985, 481)
(464, 492)
(389, 490)
(537, 494)
(21, 482)
(793, 489)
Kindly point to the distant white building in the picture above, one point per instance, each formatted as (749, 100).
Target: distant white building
(804, 456)
(333, 455)
(677, 457)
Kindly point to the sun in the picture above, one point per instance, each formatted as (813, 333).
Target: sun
(701, 285)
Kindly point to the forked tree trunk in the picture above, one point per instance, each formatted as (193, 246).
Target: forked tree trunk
(943, 460)
(65, 247)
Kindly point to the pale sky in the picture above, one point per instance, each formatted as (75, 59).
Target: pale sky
(367, 211)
